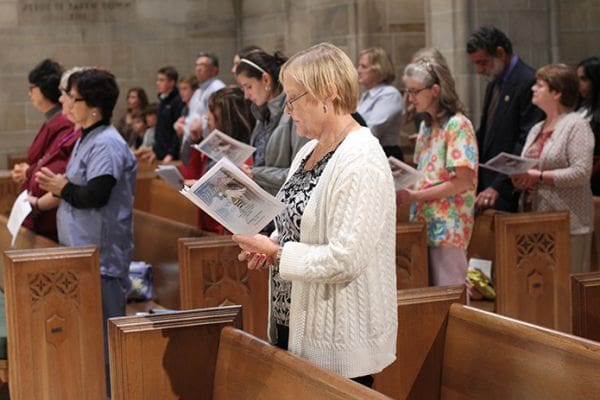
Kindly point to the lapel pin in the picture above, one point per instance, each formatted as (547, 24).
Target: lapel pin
(506, 98)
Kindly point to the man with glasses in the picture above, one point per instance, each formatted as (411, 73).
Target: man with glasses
(507, 113)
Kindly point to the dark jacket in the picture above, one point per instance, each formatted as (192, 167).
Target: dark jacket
(514, 117)
(166, 139)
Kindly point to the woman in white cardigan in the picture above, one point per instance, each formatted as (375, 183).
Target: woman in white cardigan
(564, 145)
(332, 255)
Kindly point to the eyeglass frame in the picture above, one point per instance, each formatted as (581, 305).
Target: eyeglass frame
(289, 105)
(415, 92)
(71, 98)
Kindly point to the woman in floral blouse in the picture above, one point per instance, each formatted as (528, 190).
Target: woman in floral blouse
(446, 155)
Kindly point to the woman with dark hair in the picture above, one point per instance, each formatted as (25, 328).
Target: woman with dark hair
(137, 101)
(229, 112)
(274, 135)
(381, 104)
(588, 74)
(97, 189)
(563, 143)
(51, 147)
(241, 54)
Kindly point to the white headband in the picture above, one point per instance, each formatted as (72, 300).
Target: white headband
(244, 60)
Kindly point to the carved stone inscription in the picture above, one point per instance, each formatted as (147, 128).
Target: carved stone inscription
(43, 12)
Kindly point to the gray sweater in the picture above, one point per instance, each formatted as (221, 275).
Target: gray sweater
(569, 155)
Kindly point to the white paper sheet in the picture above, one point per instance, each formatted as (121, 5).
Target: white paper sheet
(404, 175)
(233, 199)
(510, 164)
(171, 175)
(218, 145)
(20, 210)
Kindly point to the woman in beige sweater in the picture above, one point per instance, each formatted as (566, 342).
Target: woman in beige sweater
(564, 145)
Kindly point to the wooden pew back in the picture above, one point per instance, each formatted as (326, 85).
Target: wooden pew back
(412, 269)
(422, 315)
(167, 356)
(248, 368)
(211, 275)
(155, 242)
(487, 356)
(54, 321)
(532, 268)
(585, 300)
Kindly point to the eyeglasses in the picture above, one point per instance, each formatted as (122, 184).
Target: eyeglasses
(72, 98)
(289, 104)
(414, 92)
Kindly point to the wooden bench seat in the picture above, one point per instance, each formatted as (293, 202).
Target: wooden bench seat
(198, 354)
(488, 356)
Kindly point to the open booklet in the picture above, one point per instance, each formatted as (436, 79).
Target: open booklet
(171, 175)
(404, 175)
(510, 164)
(218, 145)
(233, 199)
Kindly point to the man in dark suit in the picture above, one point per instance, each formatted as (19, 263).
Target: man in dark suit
(507, 113)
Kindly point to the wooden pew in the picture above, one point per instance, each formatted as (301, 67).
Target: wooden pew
(412, 269)
(482, 243)
(156, 197)
(595, 261)
(155, 242)
(532, 268)
(9, 191)
(54, 320)
(488, 356)
(422, 317)
(188, 354)
(585, 301)
(167, 356)
(211, 275)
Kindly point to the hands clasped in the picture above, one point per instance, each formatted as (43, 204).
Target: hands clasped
(257, 250)
(51, 182)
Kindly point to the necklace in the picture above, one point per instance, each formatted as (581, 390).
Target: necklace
(321, 151)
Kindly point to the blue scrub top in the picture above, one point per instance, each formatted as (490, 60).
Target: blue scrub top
(102, 152)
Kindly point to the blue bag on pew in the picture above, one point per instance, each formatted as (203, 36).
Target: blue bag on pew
(140, 275)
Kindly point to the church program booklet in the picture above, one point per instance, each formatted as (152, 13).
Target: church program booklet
(510, 164)
(171, 175)
(20, 210)
(404, 175)
(218, 145)
(233, 199)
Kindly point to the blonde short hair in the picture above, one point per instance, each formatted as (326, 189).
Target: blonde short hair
(325, 70)
(381, 64)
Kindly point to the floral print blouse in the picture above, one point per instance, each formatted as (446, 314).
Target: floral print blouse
(437, 154)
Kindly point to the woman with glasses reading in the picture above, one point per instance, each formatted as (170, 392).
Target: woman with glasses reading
(446, 155)
(332, 254)
(96, 191)
(274, 134)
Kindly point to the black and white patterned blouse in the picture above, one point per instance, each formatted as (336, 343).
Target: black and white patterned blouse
(295, 194)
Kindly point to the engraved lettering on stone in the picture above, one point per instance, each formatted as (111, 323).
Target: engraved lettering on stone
(64, 283)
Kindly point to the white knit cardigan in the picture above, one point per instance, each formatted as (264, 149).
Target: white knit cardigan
(569, 154)
(343, 312)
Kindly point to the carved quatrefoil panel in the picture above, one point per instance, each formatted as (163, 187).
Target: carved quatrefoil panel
(64, 283)
(536, 245)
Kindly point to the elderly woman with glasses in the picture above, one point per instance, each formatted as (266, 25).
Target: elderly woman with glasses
(96, 190)
(332, 254)
(51, 147)
(274, 134)
(446, 156)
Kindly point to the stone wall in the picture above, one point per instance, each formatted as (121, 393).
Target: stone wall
(579, 30)
(132, 38)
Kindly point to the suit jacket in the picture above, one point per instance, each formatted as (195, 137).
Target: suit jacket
(514, 117)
